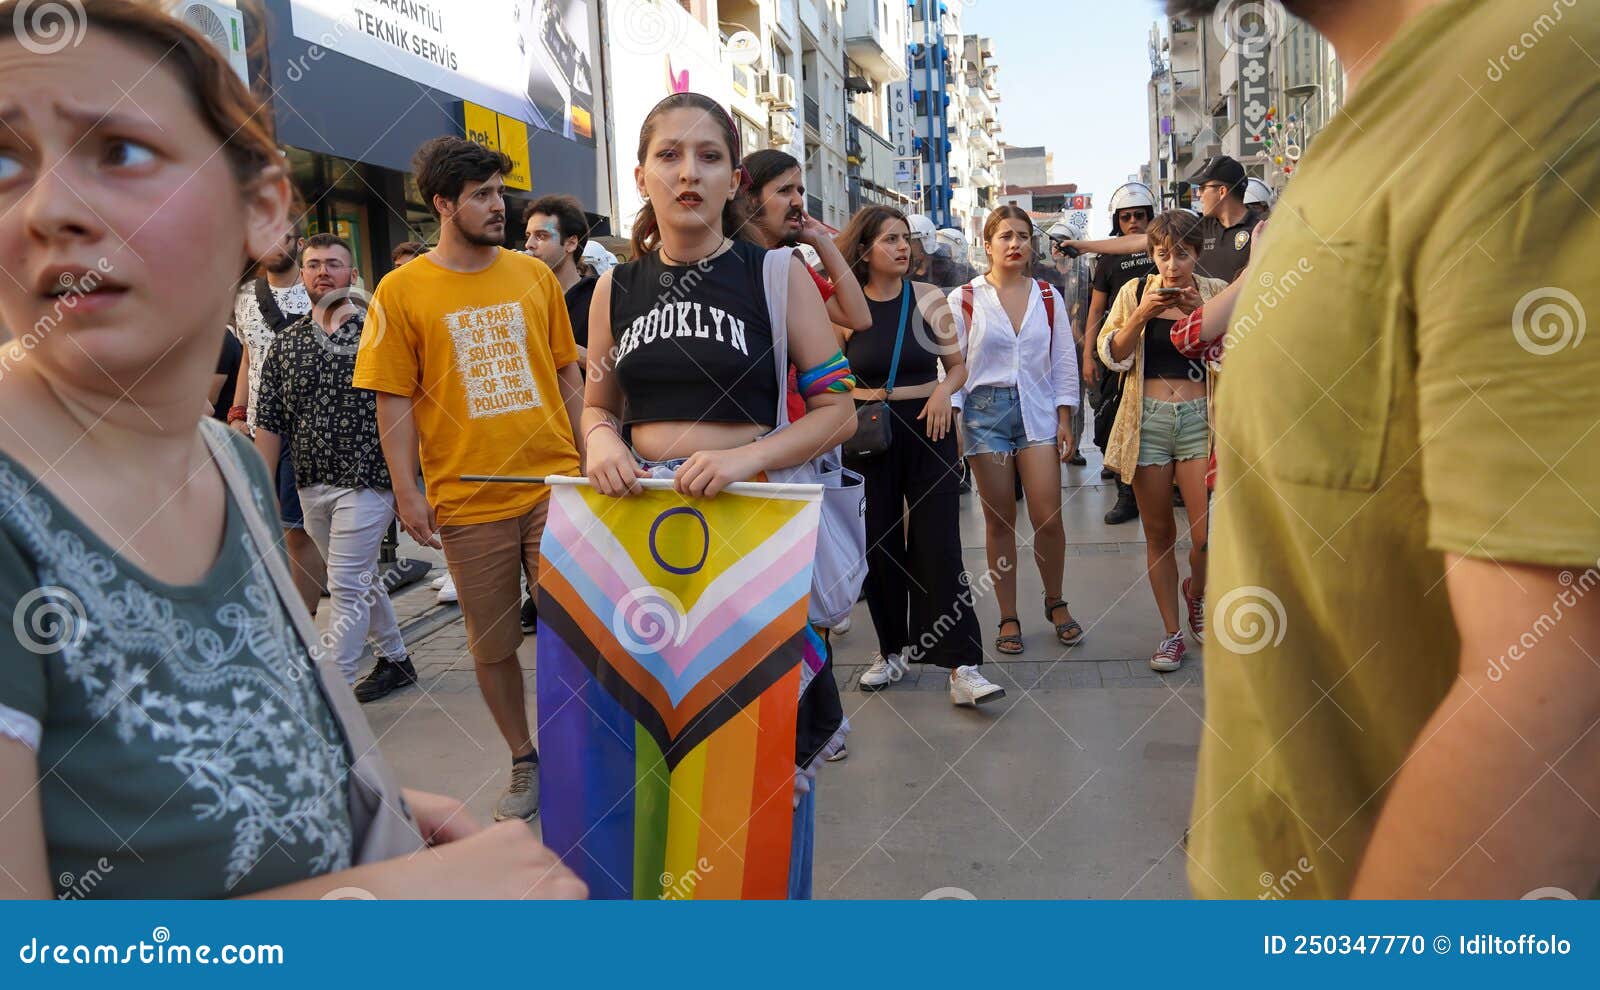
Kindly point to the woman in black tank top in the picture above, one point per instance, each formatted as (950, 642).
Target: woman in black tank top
(688, 365)
(913, 488)
(688, 345)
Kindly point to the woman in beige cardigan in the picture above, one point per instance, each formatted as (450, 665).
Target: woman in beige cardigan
(1166, 436)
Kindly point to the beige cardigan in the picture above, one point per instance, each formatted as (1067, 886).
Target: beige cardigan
(1122, 449)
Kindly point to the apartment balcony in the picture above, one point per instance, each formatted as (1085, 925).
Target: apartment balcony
(982, 178)
(980, 100)
(868, 42)
(813, 114)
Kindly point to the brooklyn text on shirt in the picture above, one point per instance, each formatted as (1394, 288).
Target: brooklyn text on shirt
(492, 356)
(684, 319)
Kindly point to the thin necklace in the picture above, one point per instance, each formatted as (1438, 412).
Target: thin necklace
(669, 259)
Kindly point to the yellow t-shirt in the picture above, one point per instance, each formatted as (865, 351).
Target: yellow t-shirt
(478, 351)
(1403, 378)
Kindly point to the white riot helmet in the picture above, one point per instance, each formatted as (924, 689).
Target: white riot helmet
(1257, 193)
(1131, 196)
(598, 258)
(1070, 231)
(954, 240)
(923, 230)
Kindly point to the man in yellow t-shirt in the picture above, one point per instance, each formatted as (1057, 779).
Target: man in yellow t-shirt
(472, 356)
(1403, 658)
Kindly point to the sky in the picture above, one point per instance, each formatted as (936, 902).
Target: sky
(1074, 80)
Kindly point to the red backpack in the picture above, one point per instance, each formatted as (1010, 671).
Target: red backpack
(1046, 293)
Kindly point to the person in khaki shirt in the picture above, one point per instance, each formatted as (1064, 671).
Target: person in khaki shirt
(1401, 671)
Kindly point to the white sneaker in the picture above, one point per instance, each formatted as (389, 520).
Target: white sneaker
(439, 581)
(447, 591)
(842, 628)
(883, 672)
(969, 688)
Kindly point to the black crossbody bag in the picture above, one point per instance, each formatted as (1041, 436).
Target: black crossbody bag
(872, 418)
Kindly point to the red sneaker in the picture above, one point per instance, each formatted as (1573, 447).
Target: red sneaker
(1169, 655)
(1197, 610)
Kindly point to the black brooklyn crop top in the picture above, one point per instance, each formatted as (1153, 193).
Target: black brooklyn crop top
(695, 342)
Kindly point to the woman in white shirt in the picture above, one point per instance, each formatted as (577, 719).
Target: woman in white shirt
(1021, 388)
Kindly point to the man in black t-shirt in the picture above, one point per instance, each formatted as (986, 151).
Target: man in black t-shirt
(1228, 225)
(557, 232)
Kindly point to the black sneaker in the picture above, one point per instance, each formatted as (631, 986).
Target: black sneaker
(530, 617)
(1126, 509)
(1077, 460)
(1106, 474)
(387, 675)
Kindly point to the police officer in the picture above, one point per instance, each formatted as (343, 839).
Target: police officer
(1258, 197)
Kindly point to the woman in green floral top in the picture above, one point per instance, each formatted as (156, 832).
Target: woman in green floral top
(160, 722)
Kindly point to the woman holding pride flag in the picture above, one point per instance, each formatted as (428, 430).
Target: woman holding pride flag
(695, 382)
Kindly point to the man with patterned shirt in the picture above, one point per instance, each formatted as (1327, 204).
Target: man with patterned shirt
(265, 305)
(344, 487)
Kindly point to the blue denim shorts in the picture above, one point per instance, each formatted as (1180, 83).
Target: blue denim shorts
(991, 419)
(1172, 431)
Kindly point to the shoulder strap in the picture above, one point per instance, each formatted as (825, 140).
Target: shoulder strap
(775, 278)
(271, 312)
(966, 306)
(1049, 298)
(1138, 294)
(906, 292)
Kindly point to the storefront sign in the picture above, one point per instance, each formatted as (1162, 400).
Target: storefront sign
(502, 133)
(532, 60)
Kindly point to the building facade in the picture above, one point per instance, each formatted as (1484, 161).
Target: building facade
(1028, 166)
(1211, 90)
(357, 91)
(875, 63)
(977, 162)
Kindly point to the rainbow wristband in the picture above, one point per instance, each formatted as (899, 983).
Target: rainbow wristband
(832, 375)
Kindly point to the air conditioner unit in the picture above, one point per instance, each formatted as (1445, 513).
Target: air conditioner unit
(783, 92)
(223, 26)
(767, 86)
(780, 127)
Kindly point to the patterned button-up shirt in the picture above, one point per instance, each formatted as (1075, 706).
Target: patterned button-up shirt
(306, 394)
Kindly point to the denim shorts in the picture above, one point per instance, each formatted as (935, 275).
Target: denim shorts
(1172, 431)
(991, 418)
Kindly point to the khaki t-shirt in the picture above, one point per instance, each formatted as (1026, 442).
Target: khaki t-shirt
(479, 353)
(1405, 377)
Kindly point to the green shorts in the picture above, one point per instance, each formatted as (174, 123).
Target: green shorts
(1172, 431)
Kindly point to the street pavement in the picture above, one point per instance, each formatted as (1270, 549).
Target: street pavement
(1076, 785)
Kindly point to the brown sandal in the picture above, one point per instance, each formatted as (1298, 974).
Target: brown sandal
(1068, 633)
(1009, 644)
